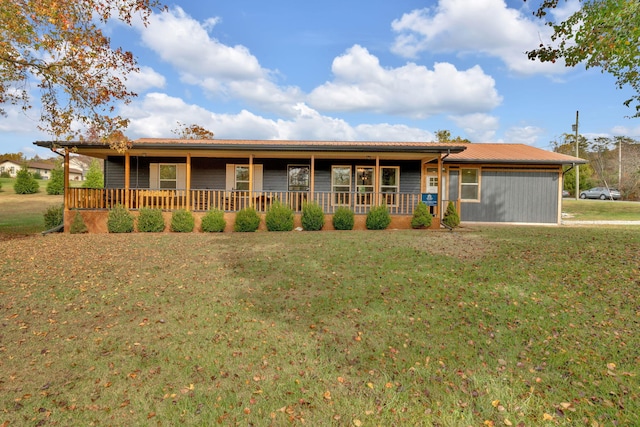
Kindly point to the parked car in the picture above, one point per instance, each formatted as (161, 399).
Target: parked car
(602, 193)
(565, 193)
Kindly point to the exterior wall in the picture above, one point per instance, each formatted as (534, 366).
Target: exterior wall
(512, 196)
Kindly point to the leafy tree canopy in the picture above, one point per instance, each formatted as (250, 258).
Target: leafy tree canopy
(444, 135)
(59, 44)
(193, 131)
(603, 33)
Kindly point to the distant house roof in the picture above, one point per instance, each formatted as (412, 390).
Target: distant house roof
(455, 152)
(510, 153)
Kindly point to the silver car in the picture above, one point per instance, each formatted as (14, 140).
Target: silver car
(602, 193)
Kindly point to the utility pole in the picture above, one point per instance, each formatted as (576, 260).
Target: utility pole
(575, 128)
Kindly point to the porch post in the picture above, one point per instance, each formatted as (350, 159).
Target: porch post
(251, 180)
(188, 198)
(376, 183)
(66, 180)
(312, 178)
(439, 207)
(127, 178)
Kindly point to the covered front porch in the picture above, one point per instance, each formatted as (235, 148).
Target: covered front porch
(231, 175)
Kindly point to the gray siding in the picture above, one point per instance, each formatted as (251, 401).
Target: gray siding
(514, 196)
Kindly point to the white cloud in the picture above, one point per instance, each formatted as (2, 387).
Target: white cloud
(523, 135)
(362, 84)
(478, 127)
(632, 132)
(144, 80)
(485, 27)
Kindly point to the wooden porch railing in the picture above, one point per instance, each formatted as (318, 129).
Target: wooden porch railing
(231, 201)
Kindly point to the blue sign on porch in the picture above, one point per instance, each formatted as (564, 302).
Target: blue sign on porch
(430, 199)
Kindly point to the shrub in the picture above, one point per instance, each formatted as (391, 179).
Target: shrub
(53, 217)
(95, 177)
(279, 217)
(378, 218)
(343, 219)
(56, 183)
(37, 175)
(182, 221)
(5, 174)
(451, 217)
(25, 183)
(213, 221)
(421, 216)
(150, 220)
(78, 225)
(312, 217)
(247, 220)
(119, 220)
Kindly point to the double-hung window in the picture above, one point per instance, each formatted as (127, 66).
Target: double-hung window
(470, 184)
(365, 178)
(168, 176)
(298, 177)
(242, 177)
(390, 184)
(341, 184)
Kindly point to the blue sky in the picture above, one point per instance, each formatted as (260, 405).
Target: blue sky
(353, 70)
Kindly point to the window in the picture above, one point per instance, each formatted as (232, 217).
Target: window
(364, 184)
(168, 176)
(341, 184)
(469, 184)
(390, 184)
(298, 176)
(242, 177)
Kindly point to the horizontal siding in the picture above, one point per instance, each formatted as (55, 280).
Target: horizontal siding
(527, 197)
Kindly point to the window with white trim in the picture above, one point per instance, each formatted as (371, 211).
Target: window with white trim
(242, 177)
(470, 184)
(298, 177)
(390, 184)
(341, 184)
(365, 180)
(168, 176)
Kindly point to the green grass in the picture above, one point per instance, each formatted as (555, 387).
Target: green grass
(22, 214)
(486, 326)
(591, 210)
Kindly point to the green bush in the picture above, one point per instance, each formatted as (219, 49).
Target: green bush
(78, 225)
(150, 220)
(95, 177)
(53, 216)
(213, 221)
(421, 216)
(343, 219)
(119, 220)
(451, 217)
(378, 218)
(182, 221)
(279, 217)
(25, 183)
(312, 217)
(247, 220)
(5, 174)
(56, 183)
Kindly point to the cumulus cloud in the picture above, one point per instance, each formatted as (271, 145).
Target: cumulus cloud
(362, 84)
(523, 134)
(204, 61)
(157, 114)
(486, 27)
(479, 127)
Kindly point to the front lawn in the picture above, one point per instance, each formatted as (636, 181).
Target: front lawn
(515, 326)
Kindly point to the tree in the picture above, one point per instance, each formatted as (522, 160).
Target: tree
(603, 33)
(14, 157)
(25, 182)
(95, 177)
(192, 132)
(56, 183)
(60, 45)
(444, 135)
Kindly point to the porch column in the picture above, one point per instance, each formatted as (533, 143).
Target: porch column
(312, 178)
(127, 179)
(188, 198)
(440, 192)
(66, 179)
(251, 180)
(376, 183)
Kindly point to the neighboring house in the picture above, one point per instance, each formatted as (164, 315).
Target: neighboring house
(42, 168)
(494, 183)
(10, 167)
